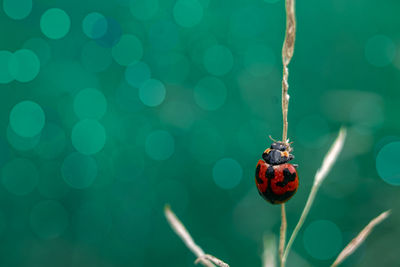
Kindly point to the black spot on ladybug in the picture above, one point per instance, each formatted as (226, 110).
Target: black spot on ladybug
(270, 173)
(259, 180)
(287, 177)
(270, 196)
(276, 199)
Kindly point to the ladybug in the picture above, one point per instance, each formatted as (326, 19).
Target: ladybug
(276, 179)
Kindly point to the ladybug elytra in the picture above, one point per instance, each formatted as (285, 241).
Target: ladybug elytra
(276, 179)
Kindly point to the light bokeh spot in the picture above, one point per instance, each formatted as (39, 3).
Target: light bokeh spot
(227, 173)
(388, 162)
(88, 136)
(28, 65)
(112, 34)
(17, 9)
(8, 66)
(94, 25)
(322, 239)
(90, 103)
(152, 92)
(188, 13)
(27, 119)
(55, 23)
(129, 49)
(218, 60)
(137, 73)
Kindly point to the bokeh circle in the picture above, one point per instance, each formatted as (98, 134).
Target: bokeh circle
(94, 25)
(322, 239)
(218, 60)
(129, 49)
(55, 23)
(28, 65)
(27, 119)
(388, 162)
(90, 103)
(88, 136)
(8, 66)
(227, 173)
(17, 9)
(188, 13)
(152, 92)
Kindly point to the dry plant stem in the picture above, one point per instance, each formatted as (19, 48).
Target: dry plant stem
(282, 237)
(360, 238)
(180, 230)
(287, 53)
(321, 174)
(213, 259)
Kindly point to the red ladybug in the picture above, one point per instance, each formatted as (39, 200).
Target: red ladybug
(277, 180)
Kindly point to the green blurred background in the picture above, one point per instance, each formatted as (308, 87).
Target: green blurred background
(110, 109)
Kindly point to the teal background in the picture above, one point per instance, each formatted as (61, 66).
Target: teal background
(105, 118)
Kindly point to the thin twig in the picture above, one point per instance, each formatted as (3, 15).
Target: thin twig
(360, 238)
(213, 259)
(287, 53)
(269, 253)
(321, 174)
(282, 236)
(180, 230)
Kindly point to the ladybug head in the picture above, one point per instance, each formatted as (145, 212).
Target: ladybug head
(278, 153)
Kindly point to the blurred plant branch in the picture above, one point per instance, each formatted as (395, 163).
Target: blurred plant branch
(178, 227)
(269, 254)
(321, 174)
(360, 238)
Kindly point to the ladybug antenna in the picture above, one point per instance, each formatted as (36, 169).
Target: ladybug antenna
(288, 145)
(270, 137)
